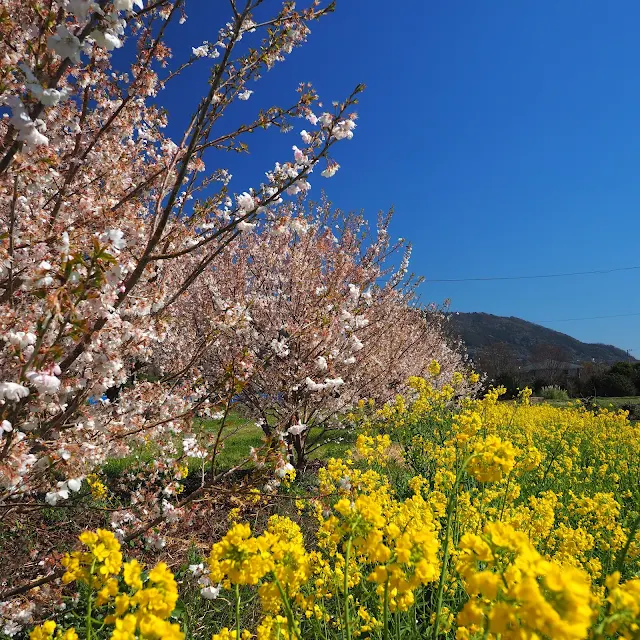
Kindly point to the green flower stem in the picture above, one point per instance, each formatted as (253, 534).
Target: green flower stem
(506, 490)
(287, 608)
(237, 589)
(90, 601)
(623, 553)
(385, 612)
(347, 622)
(451, 503)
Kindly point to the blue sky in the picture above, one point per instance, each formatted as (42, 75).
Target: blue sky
(505, 134)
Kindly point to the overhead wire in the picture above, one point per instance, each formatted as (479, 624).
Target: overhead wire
(551, 275)
(617, 315)
(546, 275)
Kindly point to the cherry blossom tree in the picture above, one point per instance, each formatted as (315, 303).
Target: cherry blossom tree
(105, 222)
(321, 319)
(142, 289)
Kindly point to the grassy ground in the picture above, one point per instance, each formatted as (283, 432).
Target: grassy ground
(616, 403)
(240, 434)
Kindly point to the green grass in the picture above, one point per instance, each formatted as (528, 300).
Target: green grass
(615, 402)
(618, 402)
(239, 435)
(115, 467)
(336, 448)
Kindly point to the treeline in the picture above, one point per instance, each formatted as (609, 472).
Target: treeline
(552, 366)
(620, 379)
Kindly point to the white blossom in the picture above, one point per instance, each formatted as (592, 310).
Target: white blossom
(114, 237)
(299, 156)
(74, 484)
(245, 95)
(127, 5)
(280, 347)
(299, 226)
(281, 472)
(192, 449)
(243, 225)
(331, 170)
(48, 97)
(21, 339)
(314, 386)
(359, 322)
(27, 130)
(321, 363)
(356, 343)
(11, 628)
(210, 592)
(156, 541)
(44, 383)
(354, 292)
(246, 202)
(65, 44)
(106, 39)
(170, 513)
(325, 120)
(297, 429)
(344, 130)
(64, 243)
(12, 391)
(61, 493)
(80, 8)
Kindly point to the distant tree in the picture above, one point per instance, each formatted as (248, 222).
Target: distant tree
(621, 379)
(324, 320)
(636, 376)
(614, 384)
(498, 360)
(625, 369)
(552, 359)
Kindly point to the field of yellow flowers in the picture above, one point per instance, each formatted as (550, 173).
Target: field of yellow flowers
(454, 518)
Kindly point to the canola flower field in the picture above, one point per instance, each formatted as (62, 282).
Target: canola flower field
(454, 518)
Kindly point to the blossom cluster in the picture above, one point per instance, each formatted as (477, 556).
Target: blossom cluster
(106, 222)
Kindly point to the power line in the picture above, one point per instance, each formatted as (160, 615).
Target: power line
(547, 275)
(617, 315)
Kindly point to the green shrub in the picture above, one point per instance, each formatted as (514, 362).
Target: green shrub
(616, 385)
(553, 392)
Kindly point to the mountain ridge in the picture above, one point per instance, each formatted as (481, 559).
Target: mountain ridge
(479, 331)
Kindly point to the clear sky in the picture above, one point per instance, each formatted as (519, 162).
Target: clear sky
(505, 134)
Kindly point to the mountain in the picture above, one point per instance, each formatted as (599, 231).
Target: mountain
(526, 340)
